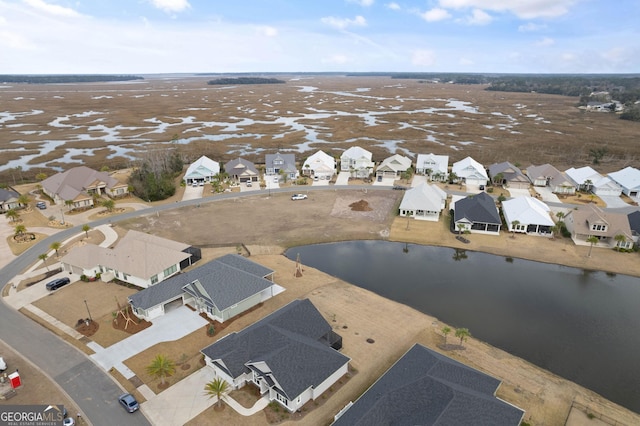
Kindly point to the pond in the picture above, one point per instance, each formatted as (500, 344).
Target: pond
(582, 325)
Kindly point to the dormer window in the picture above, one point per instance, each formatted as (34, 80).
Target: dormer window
(597, 227)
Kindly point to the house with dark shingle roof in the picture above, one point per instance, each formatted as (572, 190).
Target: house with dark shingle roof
(8, 199)
(77, 185)
(427, 388)
(508, 175)
(278, 163)
(291, 356)
(477, 214)
(222, 288)
(242, 170)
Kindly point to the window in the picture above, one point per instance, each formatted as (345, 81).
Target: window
(154, 279)
(282, 399)
(597, 227)
(172, 269)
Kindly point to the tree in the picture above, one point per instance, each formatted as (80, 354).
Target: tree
(161, 367)
(587, 185)
(12, 214)
(597, 154)
(445, 331)
(620, 238)
(498, 179)
(109, 204)
(560, 215)
(23, 199)
(41, 176)
(514, 225)
(592, 240)
(462, 334)
(453, 177)
(460, 227)
(68, 203)
(55, 246)
(218, 388)
(20, 229)
(86, 229)
(43, 257)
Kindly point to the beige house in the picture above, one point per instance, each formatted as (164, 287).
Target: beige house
(611, 229)
(78, 185)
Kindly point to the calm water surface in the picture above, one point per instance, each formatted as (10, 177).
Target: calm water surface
(581, 325)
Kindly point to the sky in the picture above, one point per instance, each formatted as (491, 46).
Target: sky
(226, 36)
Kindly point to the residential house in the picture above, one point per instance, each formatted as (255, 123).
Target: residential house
(78, 185)
(8, 200)
(583, 178)
(423, 202)
(470, 172)
(222, 288)
(242, 170)
(281, 164)
(202, 170)
(357, 161)
(629, 180)
(291, 356)
(634, 224)
(436, 167)
(532, 216)
(427, 388)
(477, 214)
(607, 187)
(548, 176)
(394, 166)
(320, 165)
(508, 175)
(610, 228)
(138, 258)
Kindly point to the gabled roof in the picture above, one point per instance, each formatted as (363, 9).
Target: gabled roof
(584, 216)
(8, 194)
(396, 163)
(581, 175)
(544, 171)
(288, 160)
(289, 342)
(232, 272)
(203, 166)
(427, 388)
(606, 182)
(629, 178)
(240, 167)
(480, 208)
(634, 222)
(527, 211)
(440, 162)
(467, 167)
(70, 184)
(423, 197)
(320, 161)
(509, 172)
(355, 153)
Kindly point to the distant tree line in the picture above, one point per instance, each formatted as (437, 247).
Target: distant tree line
(245, 80)
(71, 78)
(154, 178)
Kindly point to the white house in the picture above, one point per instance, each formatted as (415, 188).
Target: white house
(291, 356)
(583, 178)
(201, 170)
(423, 202)
(434, 166)
(629, 180)
(470, 172)
(393, 166)
(138, 258)
(606, 186)
(357, 161)
(533, 216)
(320, 165)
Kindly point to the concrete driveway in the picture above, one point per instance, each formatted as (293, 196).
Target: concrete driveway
(192, 192)
(613, 201)
(343, 178)
(386, 181)
(546, 194)
(516, 192)
(417, 180)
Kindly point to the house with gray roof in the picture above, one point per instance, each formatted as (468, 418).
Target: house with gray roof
(609, 227)
(477, 214)
(8, 200)
(242, 170)
(281, 164)
(77, 185)
(546, 175)
(426, 388)
(222, 288)
(634, 225)
(508, 175)
(291, 356)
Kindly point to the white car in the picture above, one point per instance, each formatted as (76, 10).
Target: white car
(295, 197)
(3, 365)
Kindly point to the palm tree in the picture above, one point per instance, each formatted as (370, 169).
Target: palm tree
(587, 185)
(161, 367)
(86, 229)
(23, 199)
(462, 334)
(12, 214)
(109, 205)
(592, 240)
(498, 179)
(20, 229)
(620, 238)
(68, 203)
(445, 331)
(55, 246)
(218, 388)
(560, 215)
(514, 224)
(453, 177)
(43, 257)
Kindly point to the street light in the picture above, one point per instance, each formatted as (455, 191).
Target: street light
(85, 304)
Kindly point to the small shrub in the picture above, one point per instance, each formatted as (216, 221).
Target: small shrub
(591, 416)
(211, 330)
(84, 278)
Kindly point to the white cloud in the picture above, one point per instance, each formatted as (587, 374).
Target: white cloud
(171, 5)
(342, 23)
(530, 26)
(393, 6)
(546, 41)
(268, 31)
(363, 3)
(423, 58)
(435, 15)
(478, 17)
(52, 9)
(335, 59)
(15, 41)
(466, 61)
(525, 9)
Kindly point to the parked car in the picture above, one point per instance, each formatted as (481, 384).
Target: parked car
(380, 178)
(128, 402)
(295, 197)
(194, 184)
(68, 422)
(57, 283)
(3, 365)
(41, 205)
(249, 183)
(201, 183)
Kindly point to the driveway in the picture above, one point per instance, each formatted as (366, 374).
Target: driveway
(343, 178)
(386, 181)
(516, 192)
(320, 182)
(613, 201)
(192, 192)
(417, 180)
(546, 194)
